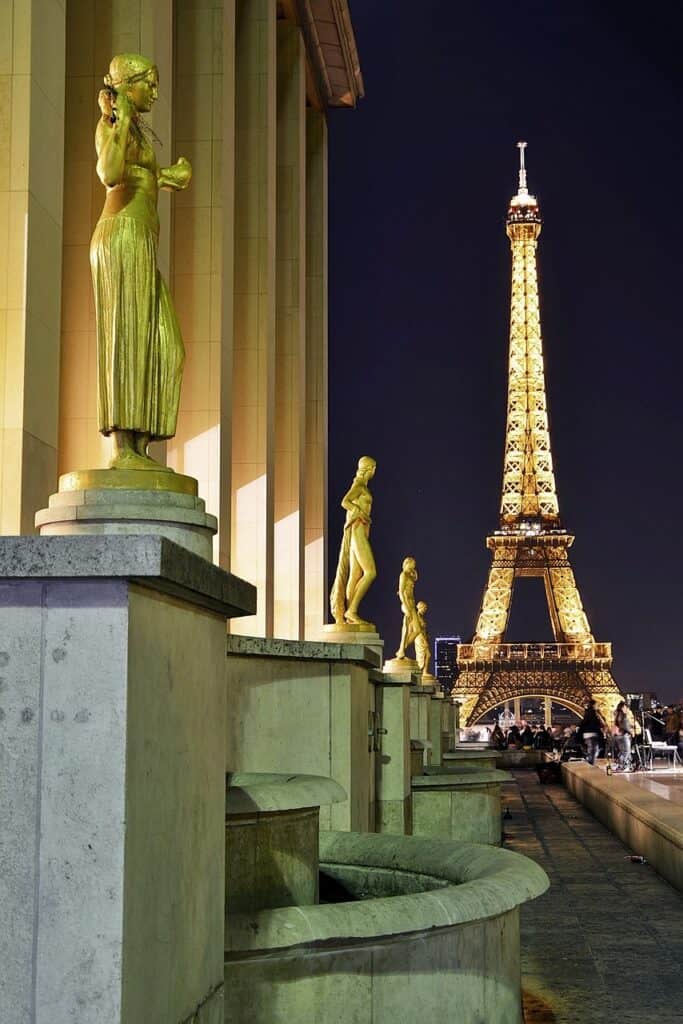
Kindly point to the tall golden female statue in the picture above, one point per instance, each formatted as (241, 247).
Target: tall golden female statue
(140, 350)
(356, 567)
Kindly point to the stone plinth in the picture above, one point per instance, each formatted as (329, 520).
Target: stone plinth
(306, 708)
(112, 782)
(421, 718)
(470, 760)
(466, 806)
(401, 666)
(82, 508)
(394, 770)
(348, 633)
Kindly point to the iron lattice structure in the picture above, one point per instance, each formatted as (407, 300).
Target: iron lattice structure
(531, 540)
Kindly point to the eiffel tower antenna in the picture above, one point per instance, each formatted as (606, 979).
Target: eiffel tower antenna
(530, 540)
(522, 190)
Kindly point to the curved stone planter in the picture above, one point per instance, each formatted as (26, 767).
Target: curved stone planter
(439, 937)
(271, 838)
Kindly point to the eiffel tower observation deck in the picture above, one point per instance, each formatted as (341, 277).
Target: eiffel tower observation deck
(531, 540)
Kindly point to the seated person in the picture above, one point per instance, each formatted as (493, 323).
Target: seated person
(497, 740)
(527, 737)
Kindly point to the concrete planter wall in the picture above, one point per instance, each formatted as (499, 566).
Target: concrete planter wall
(271, 839)
(439, 936)
(464, 806)
(305, 708)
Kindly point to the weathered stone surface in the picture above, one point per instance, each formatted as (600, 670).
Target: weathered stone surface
(301, 649)
(454, 919)
(591, 873)
(112, 785)
(465, 806)
(150, 561)
(307, 716)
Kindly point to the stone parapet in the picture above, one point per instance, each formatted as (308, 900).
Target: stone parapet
(647, 823)
(112, 784)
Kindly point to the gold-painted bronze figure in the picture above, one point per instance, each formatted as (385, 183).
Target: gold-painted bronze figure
(356, 566)
(140, 350)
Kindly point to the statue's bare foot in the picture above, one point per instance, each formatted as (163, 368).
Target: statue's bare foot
(400, 654)
(355, 620)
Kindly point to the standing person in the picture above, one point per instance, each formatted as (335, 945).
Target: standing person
(592, 726)
(624, 727)
(672, 724)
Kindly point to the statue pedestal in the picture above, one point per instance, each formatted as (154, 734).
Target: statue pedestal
(130, 501)
(401, 665)
(349, 633)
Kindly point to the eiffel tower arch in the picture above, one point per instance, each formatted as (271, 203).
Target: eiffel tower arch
(531, 540)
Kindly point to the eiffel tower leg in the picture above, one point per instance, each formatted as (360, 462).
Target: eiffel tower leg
(564, 599)
(603, 689)
(495, 607)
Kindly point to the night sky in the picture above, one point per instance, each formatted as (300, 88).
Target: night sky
(420, 177)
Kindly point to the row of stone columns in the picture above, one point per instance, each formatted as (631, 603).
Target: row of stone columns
(245, 248)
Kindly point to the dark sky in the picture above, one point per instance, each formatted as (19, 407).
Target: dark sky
(420, 177)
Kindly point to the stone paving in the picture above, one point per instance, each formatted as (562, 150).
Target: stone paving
(605, 944)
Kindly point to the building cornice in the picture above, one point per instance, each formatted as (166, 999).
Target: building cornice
(332, 51)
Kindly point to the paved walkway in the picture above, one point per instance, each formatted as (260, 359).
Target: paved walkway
(605, 944)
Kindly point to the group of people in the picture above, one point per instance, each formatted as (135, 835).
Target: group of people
(527, 738)
(594, 736)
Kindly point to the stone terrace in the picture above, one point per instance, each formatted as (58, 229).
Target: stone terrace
(605, 943)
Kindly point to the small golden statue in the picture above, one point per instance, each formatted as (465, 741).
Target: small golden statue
(140, 350)
(406, 593)
(356, 566)
(423, 653)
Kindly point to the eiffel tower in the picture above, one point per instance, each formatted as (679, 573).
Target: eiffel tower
(531, 540)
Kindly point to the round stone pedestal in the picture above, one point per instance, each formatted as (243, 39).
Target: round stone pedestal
(113, 501)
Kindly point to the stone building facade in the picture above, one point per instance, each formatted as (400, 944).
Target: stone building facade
(245, 91)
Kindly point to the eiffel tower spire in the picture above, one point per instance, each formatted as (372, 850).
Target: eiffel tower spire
(531, 540)
(529, 491)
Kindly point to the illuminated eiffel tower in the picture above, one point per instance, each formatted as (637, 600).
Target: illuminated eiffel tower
(531, 540)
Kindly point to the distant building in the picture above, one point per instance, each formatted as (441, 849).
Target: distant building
(445, 661)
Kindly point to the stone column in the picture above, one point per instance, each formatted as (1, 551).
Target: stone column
(517, 705)
(112, 780)
(420, 717)
(290, 345)
(393, 793)
(547, 712)
(254, 306)
(436, 726)
(315, 515)
(201, 118)
(31, 180)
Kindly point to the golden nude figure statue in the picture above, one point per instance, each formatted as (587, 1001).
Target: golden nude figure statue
(423, 653)
(140, 349)
(406, 594)
(356, 566)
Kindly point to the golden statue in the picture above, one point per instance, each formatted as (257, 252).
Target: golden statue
(406, 594)
(423, 653)
(140, 350)
(356, 566)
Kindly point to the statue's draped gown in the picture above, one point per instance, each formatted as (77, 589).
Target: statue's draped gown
(140, 351)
